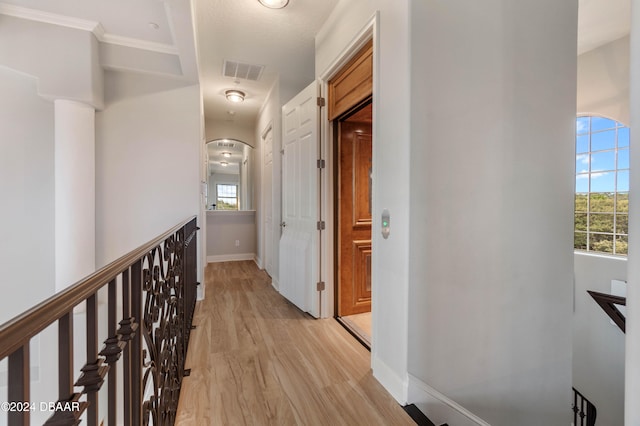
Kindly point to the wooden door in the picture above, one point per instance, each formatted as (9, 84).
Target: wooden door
(299, 260)
(354, 214)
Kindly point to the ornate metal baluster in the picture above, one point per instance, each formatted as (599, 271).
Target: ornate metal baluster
(158, 301)
(584, 412)
(19, 384)
(66, 392)
(136, 345)
(113, 347)
(94, 371)
(164, 329)
(126, 333)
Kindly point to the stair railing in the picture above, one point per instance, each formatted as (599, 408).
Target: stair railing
(609, 304)
(151, 296)
(584, 412)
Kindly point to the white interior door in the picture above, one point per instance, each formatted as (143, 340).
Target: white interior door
(299, 260)
(267, 192)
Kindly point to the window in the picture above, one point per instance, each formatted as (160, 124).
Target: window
(602, 185)
(227, 196)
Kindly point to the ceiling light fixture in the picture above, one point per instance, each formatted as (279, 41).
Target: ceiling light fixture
(224, 163)
(274, 4)
(235, 95)
(226, 154)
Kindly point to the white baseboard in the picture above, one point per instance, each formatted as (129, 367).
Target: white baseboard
(275, 284)
(438, 407)
(258, 261)
(389, 379)
(200, 292)
(230, 257)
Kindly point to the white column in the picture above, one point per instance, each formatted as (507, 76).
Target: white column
(74, 192)
(632, 355)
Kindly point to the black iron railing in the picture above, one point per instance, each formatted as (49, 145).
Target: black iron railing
(151, 296)
(584, 412)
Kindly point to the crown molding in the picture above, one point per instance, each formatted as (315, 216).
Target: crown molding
(85, 25)
(138, 44)
(47, 17)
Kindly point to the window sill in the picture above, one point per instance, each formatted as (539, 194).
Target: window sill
(601, 255)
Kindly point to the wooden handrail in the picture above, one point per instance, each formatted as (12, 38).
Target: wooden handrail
(608, 304)
(17, 331)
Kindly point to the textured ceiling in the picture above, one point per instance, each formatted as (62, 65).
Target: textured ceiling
(243, 30)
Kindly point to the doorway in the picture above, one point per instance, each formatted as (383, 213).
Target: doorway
(353, 218)
(350, 111)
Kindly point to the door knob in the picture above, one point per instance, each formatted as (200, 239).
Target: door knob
(283, 224)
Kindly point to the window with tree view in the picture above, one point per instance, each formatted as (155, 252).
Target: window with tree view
(227, 197)
(602, 185)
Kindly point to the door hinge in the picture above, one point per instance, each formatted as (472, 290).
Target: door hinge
(321, 225)
(321, 101)
(320, 285)
(321, 164)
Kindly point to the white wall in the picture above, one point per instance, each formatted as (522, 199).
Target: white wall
(391, 149)
(247, 201)
(74, 191)
(225, 228)
(491, 264)
(27, 234)
(218, 129)
(147, 155)
(632, 340)
(26, 191)
(270, 116)
(603, 81)
(64, 59)
(598, 346)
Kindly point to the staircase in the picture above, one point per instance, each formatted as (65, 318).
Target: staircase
(150, 297)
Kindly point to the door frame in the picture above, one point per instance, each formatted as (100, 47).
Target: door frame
(328, 178)
(339, 146)
(263, 216)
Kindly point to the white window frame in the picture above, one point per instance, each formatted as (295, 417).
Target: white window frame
(223, 198)
(589, 174)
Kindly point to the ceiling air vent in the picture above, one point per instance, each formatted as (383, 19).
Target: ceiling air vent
(235, 69)
(226, 144)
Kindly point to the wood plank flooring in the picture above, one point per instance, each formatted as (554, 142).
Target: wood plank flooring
(256, 359)
(360, 324)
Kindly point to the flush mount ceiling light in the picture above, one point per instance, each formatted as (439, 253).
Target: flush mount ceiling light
(224, 163)
(235, 95)
(226, 154)
(274, 4)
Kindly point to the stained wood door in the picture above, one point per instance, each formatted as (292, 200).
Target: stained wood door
(299, 261)
(354, 217)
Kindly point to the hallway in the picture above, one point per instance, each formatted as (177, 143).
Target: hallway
(255, 359)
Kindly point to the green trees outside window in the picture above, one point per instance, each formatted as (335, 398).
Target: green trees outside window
(602, 186)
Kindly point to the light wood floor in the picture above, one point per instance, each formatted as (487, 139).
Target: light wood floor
(256, 359)
(360, 324)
